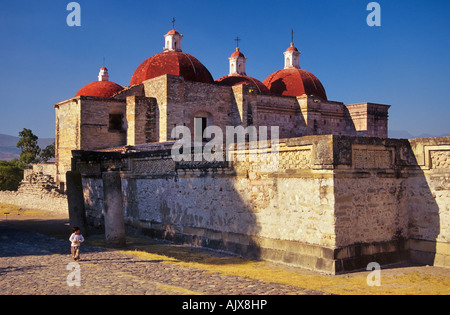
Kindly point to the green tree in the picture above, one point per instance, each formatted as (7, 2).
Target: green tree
(11, 174)
(30, 149)
(48, 153)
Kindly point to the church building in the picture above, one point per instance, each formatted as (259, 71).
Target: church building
(173, 88)
(334, 194)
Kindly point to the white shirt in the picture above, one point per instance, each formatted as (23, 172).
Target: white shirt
(76, 238)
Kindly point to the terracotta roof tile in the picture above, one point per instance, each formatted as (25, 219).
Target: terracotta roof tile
(295, 82)
(100, 89)
(174, 63)
(242, 79)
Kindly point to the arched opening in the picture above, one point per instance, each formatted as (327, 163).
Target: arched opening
(233, 68)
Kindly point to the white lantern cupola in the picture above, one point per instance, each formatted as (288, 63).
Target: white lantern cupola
(292, 57)
(237, 61)
(173, 41)
(103, 74)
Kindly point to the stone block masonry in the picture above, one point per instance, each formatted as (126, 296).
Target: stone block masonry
(86, 123)
(333, 203)
(38, 191)
(149, 112)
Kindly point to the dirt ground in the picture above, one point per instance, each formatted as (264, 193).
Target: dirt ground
(397, 280)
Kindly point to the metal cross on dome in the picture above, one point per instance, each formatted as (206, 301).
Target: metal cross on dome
(173, 23)
(237, 39)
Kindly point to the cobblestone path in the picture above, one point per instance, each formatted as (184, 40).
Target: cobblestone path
(33, 263)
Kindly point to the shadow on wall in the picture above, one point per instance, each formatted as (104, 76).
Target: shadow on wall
(199, 205)
(385, 207)
(426, 186)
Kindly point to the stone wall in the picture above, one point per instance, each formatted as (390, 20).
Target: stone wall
(329, 203)
(37, 191)
(281, 111)
(95, 127)
(151, 111)
(369, 119)
(429, 202)
(392, 194)
(82, 123)
(242, 207)
(67, 135)
(44, 168)
(141, 117)
(179, 101)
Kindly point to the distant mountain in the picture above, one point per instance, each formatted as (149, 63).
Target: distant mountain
(427, 135)
(403, 134)
(9, 151)
(400, 134)
(8, 141)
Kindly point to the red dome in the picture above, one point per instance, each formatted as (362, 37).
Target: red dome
(174, 63)
(295, 82)
(292, 48)
(237, 53)
(173, 32)
(242, 79)
(100, 89)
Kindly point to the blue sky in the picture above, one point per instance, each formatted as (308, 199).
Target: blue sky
(404, 63)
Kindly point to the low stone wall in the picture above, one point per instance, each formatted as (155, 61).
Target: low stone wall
(428, 202)
(328, 203)
(37, 192)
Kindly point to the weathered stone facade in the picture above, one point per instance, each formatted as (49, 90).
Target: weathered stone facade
(151, 110)
(84, 123)
(329, 203)
(335, 195)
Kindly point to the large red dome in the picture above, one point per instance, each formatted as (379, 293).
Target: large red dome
(295, 82)
(100, 89)
(232, 80)
(174, 63)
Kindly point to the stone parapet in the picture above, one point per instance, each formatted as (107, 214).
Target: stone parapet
(329, 203)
